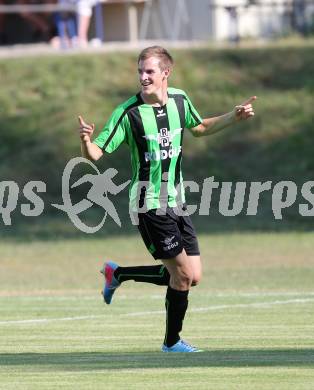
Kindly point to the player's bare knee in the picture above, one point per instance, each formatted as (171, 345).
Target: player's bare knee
(186, 282)
(196, 281)
(181, 281)
(182, 285)
(196, 278)
(186, 279)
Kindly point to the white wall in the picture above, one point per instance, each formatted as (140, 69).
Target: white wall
(253, 21)
(169, 21)
(209, 19)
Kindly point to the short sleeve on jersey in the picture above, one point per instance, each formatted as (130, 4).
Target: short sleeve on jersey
(114, 133)
(192, 117)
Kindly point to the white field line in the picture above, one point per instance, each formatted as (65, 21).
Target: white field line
(223, 307)
(47, 320)
(260, 294)
(256, 294)
(157, 312)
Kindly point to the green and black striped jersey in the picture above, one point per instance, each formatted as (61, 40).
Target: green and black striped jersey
(154, 136)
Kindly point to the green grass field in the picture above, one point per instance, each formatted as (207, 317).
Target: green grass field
(252, 315)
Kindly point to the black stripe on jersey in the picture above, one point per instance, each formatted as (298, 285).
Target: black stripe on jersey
(163, 126)
(142, 147)
(180, 107)
(190, 109)
(135, 104)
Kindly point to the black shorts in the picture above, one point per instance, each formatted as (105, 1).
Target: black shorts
(165, 236)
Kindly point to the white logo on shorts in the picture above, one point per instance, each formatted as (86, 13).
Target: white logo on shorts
(169, 243)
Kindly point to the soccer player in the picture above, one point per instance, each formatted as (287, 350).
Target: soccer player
(152, 123)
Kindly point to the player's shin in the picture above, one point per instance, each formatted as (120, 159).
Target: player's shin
(176, 306)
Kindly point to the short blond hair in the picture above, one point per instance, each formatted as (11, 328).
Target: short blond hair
(165, 59)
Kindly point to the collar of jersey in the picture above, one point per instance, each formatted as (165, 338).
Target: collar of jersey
(139, 96)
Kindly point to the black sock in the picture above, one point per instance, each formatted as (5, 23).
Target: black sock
(176, 305)
(155, 274)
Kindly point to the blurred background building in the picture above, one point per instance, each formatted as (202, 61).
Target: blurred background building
(31, 21)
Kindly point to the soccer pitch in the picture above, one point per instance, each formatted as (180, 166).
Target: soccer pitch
(252, 315)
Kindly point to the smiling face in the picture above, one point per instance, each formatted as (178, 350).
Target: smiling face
(153, 79)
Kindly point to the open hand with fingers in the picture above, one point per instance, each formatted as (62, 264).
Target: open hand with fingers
(86, 130)
(245, 110)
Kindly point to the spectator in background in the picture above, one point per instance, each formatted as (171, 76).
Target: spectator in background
(63, 29)
(66, 26)
(73, 30)
(84, 11)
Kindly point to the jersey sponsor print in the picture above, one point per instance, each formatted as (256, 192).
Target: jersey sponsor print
(154, 136)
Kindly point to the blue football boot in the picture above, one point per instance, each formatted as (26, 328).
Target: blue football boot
(111, 283)
(180, 346)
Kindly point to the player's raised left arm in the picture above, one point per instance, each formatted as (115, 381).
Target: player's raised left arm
(213, 125)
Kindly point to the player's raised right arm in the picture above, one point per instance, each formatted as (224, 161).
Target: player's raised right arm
(88, 149)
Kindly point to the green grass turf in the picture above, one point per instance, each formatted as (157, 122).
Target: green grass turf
(252, 315)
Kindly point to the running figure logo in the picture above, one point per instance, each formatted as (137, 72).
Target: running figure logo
(102, 184)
